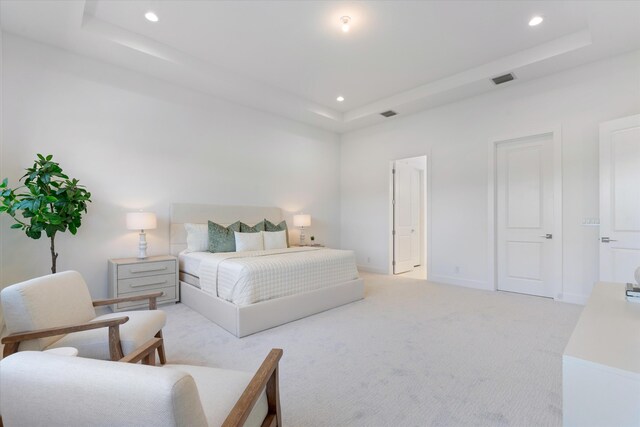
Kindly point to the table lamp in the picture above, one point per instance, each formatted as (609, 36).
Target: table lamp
(141, 221)
(302, 221)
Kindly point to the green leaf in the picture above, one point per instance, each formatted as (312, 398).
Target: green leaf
(55, 219)
(34, 234)
(48, 201)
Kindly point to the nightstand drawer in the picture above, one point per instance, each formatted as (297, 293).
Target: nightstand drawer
(148, 283)
(146, 269)
(169, 295)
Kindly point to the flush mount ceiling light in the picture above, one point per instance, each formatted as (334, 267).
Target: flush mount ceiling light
(536, 20)
(340, 98)
(345, 23)
(151, 16)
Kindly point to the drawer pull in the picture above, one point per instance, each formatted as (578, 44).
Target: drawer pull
(148, 270)
(148, 284)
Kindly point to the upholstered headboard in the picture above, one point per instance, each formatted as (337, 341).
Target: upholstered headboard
(182, 213)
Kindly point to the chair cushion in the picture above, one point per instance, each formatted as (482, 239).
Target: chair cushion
(141, 327)
(219, 391)
(55, 300)
(44, 389)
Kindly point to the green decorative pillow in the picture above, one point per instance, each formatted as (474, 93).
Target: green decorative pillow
(221, 238)
(244, 228)
(269, 226)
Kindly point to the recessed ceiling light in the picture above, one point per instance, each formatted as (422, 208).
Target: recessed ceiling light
(151, 16)
(345, 23)
(536, 20)
(340, 98)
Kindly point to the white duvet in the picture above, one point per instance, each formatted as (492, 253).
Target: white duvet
(248, 277)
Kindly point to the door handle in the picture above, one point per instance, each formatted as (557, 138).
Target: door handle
(607, 240)
(547, 236)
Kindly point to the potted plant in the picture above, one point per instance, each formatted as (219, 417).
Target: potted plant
(49, 201)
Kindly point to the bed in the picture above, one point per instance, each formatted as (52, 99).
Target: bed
(249, 292)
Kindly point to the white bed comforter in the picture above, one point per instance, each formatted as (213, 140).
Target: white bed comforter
(245, 278)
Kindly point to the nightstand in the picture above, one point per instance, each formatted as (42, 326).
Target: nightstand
(133, 276)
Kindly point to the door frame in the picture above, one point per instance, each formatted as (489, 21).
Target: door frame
(556, 133)
(621, 123)
(426, 182)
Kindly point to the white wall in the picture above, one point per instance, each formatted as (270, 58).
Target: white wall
(136, 142)
(455, 137)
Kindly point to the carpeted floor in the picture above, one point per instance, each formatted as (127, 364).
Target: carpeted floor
(412, 353)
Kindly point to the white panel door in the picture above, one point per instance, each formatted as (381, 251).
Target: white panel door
(525, 217)
(415, 216)
(619, 199)
(402, 219)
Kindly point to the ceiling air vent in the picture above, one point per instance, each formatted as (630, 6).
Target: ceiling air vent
(389, 113)
(503, 79)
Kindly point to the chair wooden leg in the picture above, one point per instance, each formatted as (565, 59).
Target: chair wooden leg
(9, 349)
(115, 346)
(273, 397)
(146, 353)
(149, 359)
(161, 354)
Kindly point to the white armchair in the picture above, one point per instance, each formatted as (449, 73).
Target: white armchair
(44, 389)
(56, 311)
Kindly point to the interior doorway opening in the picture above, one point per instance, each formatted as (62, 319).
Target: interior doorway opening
(408, 217)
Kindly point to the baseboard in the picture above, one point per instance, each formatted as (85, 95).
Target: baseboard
(370, 269)
(452, 280)
(574, 299)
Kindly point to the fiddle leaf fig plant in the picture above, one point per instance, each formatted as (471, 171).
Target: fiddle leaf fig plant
(48, 201)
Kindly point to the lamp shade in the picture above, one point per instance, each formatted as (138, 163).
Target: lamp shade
(141, 221)
(302, 220)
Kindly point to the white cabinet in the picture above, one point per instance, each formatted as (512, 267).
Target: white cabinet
(133, 276)
(601, 364)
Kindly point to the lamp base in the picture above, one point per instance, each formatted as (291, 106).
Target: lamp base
(142, 245)
(302, 236)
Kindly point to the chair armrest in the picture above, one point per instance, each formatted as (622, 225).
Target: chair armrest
(145, 352)
(61, 330)
(151, 297)
(266, 377)
(11, 342)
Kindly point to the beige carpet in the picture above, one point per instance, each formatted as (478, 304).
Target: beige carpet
(412, 353)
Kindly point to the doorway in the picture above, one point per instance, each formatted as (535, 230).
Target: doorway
(409, 217)
(526, 214)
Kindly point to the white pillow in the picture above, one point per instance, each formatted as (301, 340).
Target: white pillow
(197, 237)
(249, 242)
(275, 239)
